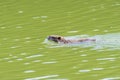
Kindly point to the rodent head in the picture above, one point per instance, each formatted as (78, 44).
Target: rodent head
(54, 38)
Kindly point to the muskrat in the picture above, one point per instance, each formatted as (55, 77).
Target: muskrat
(61, 39)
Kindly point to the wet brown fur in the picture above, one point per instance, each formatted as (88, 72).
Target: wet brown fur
(60, 39)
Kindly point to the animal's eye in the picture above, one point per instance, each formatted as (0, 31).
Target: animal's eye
(59, 38)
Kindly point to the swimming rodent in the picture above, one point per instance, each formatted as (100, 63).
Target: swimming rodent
(61, 39)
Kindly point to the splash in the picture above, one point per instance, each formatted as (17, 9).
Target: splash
(106, 41)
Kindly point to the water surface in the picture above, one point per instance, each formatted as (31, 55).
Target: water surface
(25, 24)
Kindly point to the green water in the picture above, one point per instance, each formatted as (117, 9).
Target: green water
(25, 24)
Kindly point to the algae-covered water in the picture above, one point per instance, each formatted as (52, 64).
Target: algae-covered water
(25, 53)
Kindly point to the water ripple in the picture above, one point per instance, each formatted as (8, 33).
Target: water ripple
(42, 77)
(103, 42)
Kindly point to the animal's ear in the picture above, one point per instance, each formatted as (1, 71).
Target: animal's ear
(59, 38)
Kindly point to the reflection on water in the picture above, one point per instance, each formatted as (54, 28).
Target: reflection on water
(52, 62)
(88, 70)
(33, 56)
(110, 59)
(42, 77)
(116, 78)
(84, 70)
(106, 41)
(29, 71)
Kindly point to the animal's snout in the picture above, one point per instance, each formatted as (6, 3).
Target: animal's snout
(48, 37)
